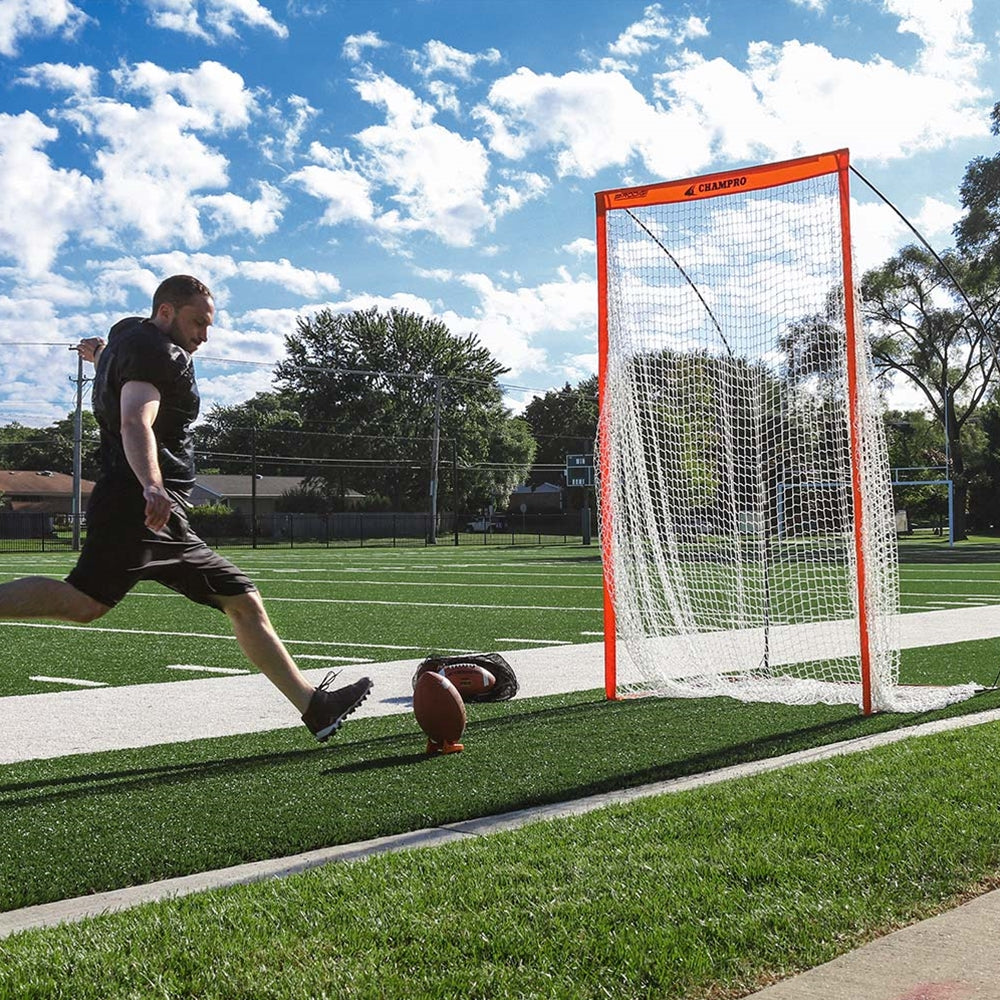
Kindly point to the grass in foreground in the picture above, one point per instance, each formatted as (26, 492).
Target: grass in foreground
(709, 893)
(89, 823)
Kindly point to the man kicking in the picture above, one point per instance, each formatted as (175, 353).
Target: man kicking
(145, 400)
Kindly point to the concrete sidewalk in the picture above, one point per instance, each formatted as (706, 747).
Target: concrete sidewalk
(953, 956)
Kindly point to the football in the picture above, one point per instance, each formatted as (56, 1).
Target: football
(440, 712)
(468, 678)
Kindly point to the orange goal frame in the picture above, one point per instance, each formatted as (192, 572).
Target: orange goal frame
(720, 185)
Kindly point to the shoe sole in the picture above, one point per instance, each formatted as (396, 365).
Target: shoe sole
(324, 734)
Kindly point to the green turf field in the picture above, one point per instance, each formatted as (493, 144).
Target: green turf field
(732, 886)
(330, 607)
(367, 605)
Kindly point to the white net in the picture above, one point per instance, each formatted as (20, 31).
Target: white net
(729, 512)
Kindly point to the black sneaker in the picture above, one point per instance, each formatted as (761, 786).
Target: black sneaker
(328, 709)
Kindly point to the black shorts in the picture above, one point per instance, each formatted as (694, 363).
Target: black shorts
(120, 551)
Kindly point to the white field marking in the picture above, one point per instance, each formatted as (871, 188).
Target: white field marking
(208, 670)
(69, 680)
(339, 659)
(541, 642)
(591, 633)
(349, 571)
(433, 583)
(215, 635)
(390, 604)
(954, 604)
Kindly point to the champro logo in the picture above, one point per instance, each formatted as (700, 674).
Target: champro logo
(632, 193)
(707, 187)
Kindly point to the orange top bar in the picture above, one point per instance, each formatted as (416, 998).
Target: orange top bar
(726, 182)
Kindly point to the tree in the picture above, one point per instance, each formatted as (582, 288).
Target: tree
(924, 331)
(41, 448)
(978, 232)
(264, 425)
(376, 379)
(564, 421)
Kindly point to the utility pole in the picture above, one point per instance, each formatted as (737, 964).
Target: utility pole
(77, 507)
(435, 452)
(253, 486)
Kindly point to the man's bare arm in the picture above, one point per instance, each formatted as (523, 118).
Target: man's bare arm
(140, 403)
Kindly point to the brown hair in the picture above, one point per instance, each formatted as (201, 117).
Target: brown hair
(178, 291)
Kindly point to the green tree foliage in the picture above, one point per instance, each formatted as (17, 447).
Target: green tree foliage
(373, 379)
(38, 449)
(922, 330)
(978, 232)
(564, 422)
(264, 425)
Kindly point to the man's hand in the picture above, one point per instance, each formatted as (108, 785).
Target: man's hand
(158, 507)
(90, 348)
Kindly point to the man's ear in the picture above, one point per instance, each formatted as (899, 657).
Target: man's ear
(164, 314)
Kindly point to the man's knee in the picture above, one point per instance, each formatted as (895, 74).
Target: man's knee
(245, 607)
(85, 609)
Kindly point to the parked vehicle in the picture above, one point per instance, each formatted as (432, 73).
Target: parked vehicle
(487, 524)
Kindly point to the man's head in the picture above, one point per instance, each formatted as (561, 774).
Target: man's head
(183, 309)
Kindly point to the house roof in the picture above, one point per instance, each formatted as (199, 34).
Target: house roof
(14, 483)
(240, 487)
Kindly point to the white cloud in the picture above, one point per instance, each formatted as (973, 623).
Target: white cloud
(40, 205)
(786, 99)
(532, 112)
(445, 96)
(946, 33)
(259, 218)
(509, 321)
(290, 124)
(819, 6)
(335, 180)
(581, 247)
(437, 57)
(215, 98)
(79, 80)
(213, 269)
(355, 45)
(301, 281)
(37, 18)
(519, 189)
(220, 17)
(645, 36)
(437, 178)
(152, 161)
(234, 387)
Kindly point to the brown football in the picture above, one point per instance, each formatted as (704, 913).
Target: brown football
(439, 708)
(468, 678)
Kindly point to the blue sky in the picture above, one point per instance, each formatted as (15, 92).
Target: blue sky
(438, 155)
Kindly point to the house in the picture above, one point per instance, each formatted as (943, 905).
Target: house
(546, 498)
(238, 492)
(42, 492)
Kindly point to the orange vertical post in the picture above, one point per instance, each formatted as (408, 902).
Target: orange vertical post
(854, 423)
(604, 457)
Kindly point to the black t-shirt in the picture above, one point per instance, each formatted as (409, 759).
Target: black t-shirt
(137, 351)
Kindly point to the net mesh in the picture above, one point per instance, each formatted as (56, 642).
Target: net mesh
(728, 514)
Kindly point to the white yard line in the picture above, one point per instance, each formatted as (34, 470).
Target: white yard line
(435, 583)
(76, 681)
(216, 635)
(195, 668)
(270, 599)
(541, 642)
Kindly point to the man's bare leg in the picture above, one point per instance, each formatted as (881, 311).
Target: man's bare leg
(264, 649)
(43, 597)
